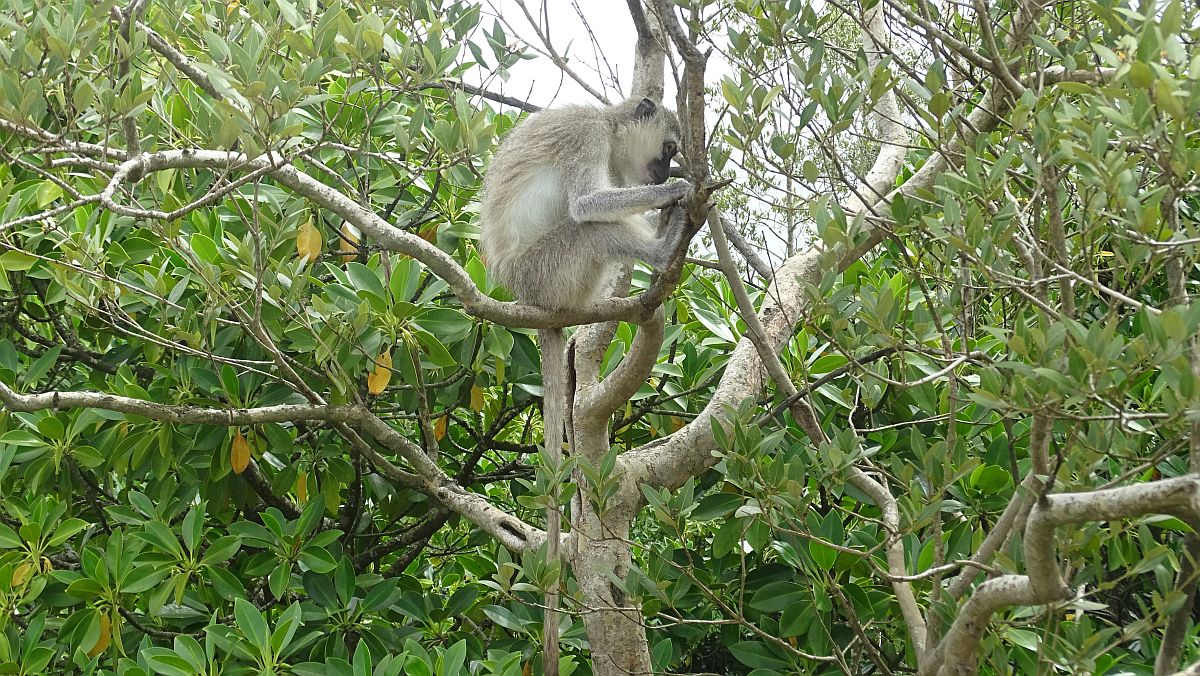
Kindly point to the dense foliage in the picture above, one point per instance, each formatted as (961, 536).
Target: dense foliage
(1033, 303)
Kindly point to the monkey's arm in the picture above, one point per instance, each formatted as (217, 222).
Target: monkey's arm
(613, 204)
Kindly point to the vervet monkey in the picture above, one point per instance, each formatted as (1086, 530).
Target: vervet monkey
(563, 206)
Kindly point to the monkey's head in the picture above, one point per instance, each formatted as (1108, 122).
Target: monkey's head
(645, 143)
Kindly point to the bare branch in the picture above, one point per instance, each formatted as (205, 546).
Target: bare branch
(186, 415)
(957, 652)
(605, 397)
(510, 531)
(388, 236)
(519, 104)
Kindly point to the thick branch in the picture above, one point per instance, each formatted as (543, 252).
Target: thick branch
(386, 235)
(605, 397)
(186, 415)
(510, 531)
(957, 653)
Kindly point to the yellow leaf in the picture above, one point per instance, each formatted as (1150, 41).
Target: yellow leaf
(308, 241)
(429, 234)
(22, 573)
(239, 454)
(476, 398)
(439, 428)
(377, 382)
(302, 487)
(104, 638)
(677, 423)
(527, 670)
(348, 242)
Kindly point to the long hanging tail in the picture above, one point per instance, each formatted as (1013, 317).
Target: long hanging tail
(553, 344)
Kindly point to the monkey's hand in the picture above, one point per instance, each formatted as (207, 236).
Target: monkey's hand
(670, 193)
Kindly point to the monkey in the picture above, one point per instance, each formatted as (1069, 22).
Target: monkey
(563, 206)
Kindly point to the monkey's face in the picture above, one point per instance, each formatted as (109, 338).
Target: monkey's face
(644, 153)
(645, 145)
(659, 169)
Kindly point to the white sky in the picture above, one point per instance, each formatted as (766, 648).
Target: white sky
(541, 82)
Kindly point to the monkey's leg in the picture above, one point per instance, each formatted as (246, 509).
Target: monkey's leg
(676, 229)
(597, 247)
(636, 240)
(560, 270)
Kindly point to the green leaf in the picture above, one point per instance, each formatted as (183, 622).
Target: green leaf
(939, 104)
(990, 478)
(776, 596)
(796, 619)
(289, 13)
(1024, 638)
(221, 550)
(161, 537)
(811, 173)
(461, 601)
(193, 527)
(310, 518)
(279, 579)
(1165, 97)
(453, 659)
(16, 261)
(504, 617)
(757, 655)
(205, 248)
(716, 506)
(66, 530)
(165, 661)
(42, 365)
(253, 626)
(285, 628)
(1140, 75)
(143, 578)
(317, 560)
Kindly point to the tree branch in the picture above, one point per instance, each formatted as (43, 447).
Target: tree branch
(603, 398)
(957, 653)
(388, 236)
(510, 531)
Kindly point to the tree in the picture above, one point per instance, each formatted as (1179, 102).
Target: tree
(264, 410)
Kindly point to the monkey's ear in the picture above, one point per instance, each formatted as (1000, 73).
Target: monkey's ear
(645, 109)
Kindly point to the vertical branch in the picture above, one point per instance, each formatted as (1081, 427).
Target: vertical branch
(1177, 625)
(649, 60)
(690, 101)
(1058, 237)
(1189, 568)
(126, 73)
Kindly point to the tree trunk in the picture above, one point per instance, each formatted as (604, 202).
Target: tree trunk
(614, 624)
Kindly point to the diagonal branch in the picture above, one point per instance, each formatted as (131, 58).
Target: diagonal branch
(509, 530)
(957, 653)
(389, 237)
(601, 399)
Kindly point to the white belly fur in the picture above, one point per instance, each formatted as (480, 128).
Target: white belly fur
(523, 218)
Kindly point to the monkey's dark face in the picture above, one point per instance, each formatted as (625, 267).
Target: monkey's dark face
(660, 167)
(645, 145)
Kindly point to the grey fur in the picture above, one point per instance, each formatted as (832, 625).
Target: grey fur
(564, 200)
(564, 204)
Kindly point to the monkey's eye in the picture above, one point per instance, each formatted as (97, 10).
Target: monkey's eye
(669, 149)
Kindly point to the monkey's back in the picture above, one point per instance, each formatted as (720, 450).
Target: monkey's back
(525, 188)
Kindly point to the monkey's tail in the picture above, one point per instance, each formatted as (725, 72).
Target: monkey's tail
(553, 344)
